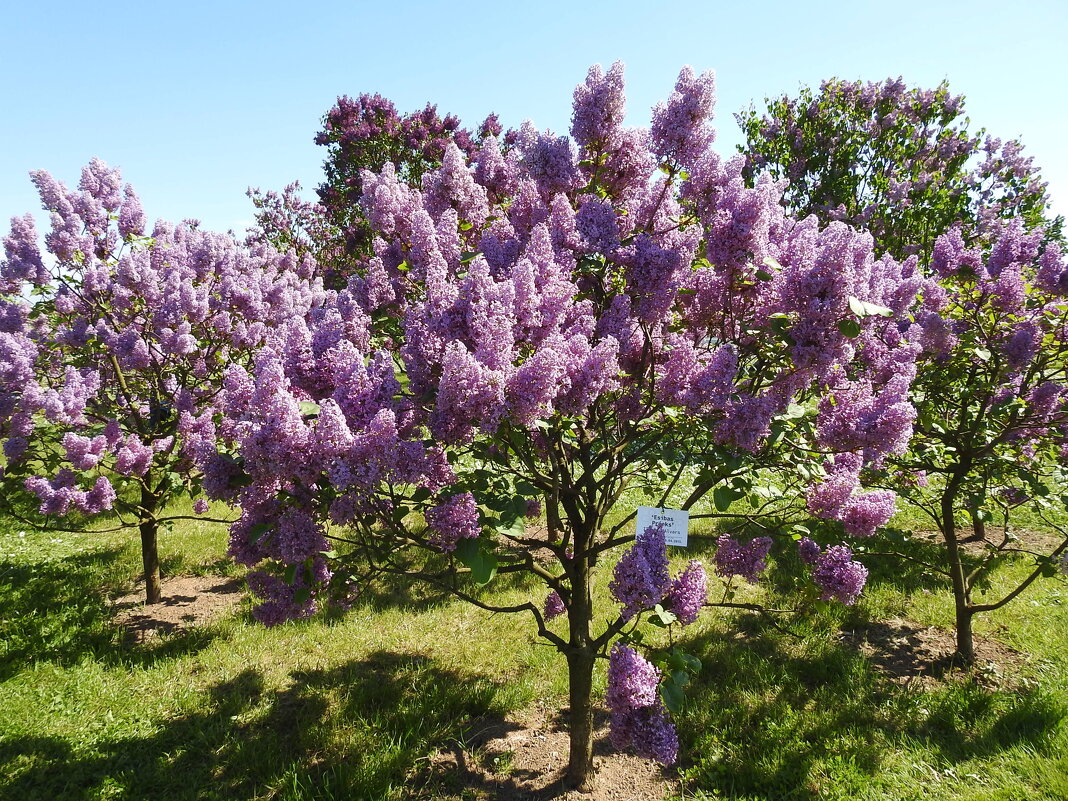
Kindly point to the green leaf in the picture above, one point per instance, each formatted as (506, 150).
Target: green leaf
(661, 617)
(863, 308)
(526, 489)
(472, 553)
(510, 526)
(302, 595)
(723, 497)
(693, 664)
(680, 678)
(672, 696)
(291, 573)
(259, 530)
(849, 328)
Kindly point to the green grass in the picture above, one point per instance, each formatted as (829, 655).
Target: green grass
(351, 706)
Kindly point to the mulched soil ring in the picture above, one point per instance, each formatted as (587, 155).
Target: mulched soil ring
(188, 601)
(911, 654)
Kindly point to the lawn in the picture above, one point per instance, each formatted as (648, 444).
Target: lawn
(354, 705)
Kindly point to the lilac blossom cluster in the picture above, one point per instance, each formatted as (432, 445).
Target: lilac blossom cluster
(452, 521)
(688, 593)
(838, 574)
(838, 497)
(554, 606)
(638, 718)
(641, 580)
(747, 560)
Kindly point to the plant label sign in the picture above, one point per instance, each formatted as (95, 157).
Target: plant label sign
(676, 523)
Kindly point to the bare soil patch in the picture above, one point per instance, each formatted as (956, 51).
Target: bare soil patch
(188, 601)
(524, 759)
(1022, 540)
(911, 654)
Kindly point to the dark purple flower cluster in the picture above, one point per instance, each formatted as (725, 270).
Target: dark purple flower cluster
(554, 606)
(808, 550)
(688, 593)
(747, 560)
(839, 575)
(638, 718)
(452, 521)
(640, 579)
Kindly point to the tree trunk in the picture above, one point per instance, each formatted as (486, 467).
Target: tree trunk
(965, 644)
(961, 594)
(581, 656)
(580, 772)
(149, 547)
(978, 527)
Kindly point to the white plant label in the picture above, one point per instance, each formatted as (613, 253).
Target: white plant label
(676, 523)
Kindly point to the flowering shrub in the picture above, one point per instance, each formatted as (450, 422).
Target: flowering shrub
(989, 398)
(897, 161)
(992, 400)
(366, 133)
(542, 328)
(113, 349)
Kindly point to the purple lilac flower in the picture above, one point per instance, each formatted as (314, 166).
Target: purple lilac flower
(640, 579)
(452, 521)
(747, 560)
(632, 679)
(599, 108)
(554, 606)
(839, 575)
(808, 550)
(866, 512)
(688, 593)
(680, 129)
(637, 716)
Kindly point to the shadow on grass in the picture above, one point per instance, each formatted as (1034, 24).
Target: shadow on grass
(358, 731)
(57, 611)
(382, 591)
(775, 718)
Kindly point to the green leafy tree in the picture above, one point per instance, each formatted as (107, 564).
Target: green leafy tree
(898, 161)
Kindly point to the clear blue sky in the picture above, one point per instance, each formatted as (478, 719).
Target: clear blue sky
(197, 101)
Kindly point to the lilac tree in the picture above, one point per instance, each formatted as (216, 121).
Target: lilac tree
(992, 399)
(897, 161)
(537, 332)
(366, 133)
(112, 348)
(990, 322)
